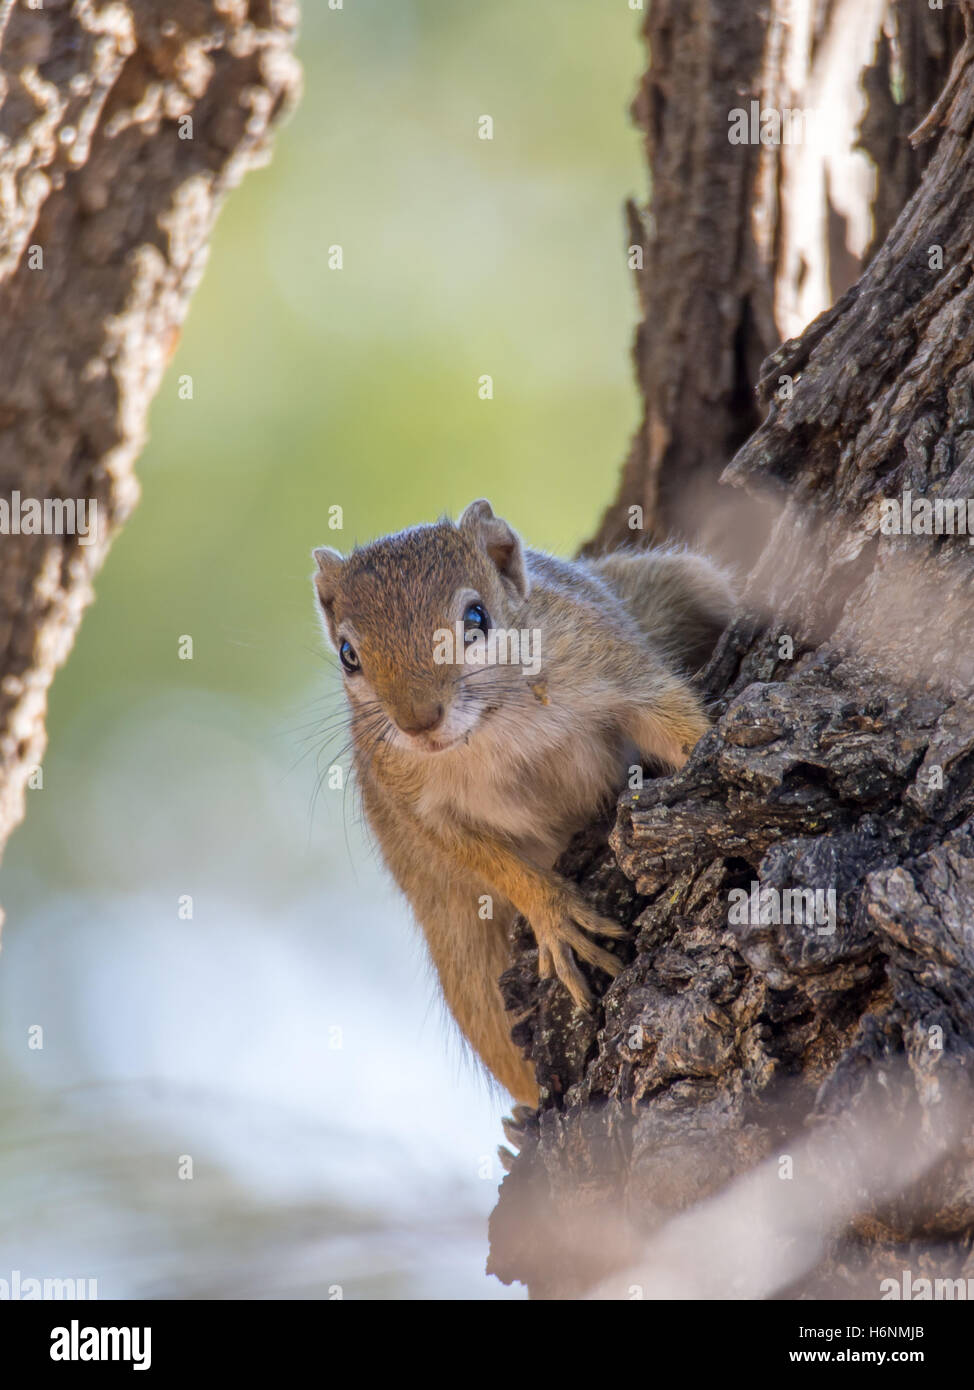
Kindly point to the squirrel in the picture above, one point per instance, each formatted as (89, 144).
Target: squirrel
(474, 770)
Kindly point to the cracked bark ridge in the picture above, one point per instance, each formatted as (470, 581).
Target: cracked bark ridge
(704, 294)
(842, 759)
(122, 126)
(738, 239)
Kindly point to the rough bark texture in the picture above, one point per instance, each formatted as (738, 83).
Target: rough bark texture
(743, 245)
(842, 758)
(704, 291)
(121, 127)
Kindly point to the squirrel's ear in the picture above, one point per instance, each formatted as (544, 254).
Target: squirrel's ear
(326, 580)
(501, 542)
(329, 564)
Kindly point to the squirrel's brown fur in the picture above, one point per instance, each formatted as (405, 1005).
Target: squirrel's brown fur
(474, 778)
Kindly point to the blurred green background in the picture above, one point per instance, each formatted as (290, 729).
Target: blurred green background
(284, 1036)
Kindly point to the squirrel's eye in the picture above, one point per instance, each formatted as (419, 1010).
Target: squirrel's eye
(475, 619)
(346, 654)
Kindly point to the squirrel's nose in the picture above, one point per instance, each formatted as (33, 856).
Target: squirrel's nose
(422, 719)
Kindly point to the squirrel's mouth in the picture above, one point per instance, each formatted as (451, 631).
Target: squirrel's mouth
(429, 744)
(443, 739)
(443, 742)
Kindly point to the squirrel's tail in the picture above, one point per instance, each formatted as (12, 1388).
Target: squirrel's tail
(681, 600)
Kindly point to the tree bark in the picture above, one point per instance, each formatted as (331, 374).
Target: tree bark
(741, 1056)
(122, 127)
(704, 284)
(742, 245)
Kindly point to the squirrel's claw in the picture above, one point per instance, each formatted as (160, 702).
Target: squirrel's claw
(592, 921)
(571, 977)
(562, 937)
(555, 958)
(516, 1125)
(505, 1157)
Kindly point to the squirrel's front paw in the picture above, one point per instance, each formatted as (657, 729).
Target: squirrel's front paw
(559, 930)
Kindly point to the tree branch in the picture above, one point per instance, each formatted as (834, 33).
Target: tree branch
(122, 127)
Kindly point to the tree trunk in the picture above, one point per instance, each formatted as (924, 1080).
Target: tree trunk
(121, 128)
(745, 244)
(789, 1085)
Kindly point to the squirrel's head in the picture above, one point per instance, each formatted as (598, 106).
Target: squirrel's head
(409, 616)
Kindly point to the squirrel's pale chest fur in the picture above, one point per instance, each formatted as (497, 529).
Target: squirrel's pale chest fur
(475, 774)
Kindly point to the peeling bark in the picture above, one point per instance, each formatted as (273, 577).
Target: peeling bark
(743, 245)
(122, 127)
(705, 292)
